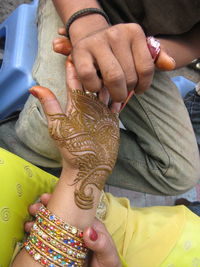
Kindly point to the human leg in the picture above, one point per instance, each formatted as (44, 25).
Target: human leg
(29, 137)
(192, 102)
(158, 152)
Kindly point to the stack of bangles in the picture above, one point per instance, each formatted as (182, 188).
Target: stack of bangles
(52, 242)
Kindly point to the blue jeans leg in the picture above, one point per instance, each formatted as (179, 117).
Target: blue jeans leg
(192, 102)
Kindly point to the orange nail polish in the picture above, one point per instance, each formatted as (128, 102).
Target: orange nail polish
(130, 94)
(33, 92)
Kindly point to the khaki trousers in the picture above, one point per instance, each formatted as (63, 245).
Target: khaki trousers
(158, 152)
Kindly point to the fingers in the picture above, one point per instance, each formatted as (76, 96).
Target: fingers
(144, 64)
(100, 242)
(44, 199)
(123, 53)
(112, 73)
(92, 54)
(165, 62)
(116, 107)
(62, 45)
(62, 31)
(28, 226)
(122, 56)
(33, 209)
(86, 69)
(104, 96)
(47, 99)
(73, 83)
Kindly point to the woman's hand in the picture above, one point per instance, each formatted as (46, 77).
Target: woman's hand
(96, 238)
(87, 134)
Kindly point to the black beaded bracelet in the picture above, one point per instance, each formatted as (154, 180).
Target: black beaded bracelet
(84, 12)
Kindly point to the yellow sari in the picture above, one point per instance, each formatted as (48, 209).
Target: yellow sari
(145, 237)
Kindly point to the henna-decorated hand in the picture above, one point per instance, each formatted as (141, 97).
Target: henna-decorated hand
(87, 135)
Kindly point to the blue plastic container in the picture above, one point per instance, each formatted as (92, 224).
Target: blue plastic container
(184, 85)
(19, 31)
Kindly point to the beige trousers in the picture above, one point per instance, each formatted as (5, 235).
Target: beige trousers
(158, 152)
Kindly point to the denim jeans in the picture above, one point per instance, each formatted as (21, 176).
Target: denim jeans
(192, 102)
(195, 207)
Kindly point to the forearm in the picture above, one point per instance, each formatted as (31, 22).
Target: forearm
(62, 204)
(82, 26)
(183, 48)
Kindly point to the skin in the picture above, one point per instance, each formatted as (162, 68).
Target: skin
(63, 200)
(64, 46)
(125, 63)
(104, 251)
(89, 133)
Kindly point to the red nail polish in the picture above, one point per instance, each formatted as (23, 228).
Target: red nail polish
(93, 234)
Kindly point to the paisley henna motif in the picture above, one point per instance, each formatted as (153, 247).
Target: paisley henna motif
(90, 133)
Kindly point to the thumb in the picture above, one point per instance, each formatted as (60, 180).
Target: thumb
(164, 61)
(48, 100)
(62, 45)
(103, 247)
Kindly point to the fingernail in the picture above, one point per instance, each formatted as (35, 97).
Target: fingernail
(69, 59)
(130, 94)
(93, 234)
(56, 41)
(33, 92)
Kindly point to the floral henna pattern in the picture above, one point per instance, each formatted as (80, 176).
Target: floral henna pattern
(90, 133)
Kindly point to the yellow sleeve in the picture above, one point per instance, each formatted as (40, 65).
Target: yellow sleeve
(21, 185)
(148, 236)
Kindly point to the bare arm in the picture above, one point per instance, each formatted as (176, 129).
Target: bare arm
(84, 25)
(88, 138)
(120, 52)
(183, 48)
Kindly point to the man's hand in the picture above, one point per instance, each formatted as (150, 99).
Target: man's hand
(120, 55)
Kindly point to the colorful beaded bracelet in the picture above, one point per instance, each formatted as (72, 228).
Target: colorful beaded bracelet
(53, 242)
(60, 223)
(58, 241)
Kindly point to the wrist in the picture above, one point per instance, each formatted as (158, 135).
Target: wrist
(68, 175)
(85, 26)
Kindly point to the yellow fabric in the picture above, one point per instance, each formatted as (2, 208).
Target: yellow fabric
(154, 236)
(145, 237)
(187, 250)
(21, 184)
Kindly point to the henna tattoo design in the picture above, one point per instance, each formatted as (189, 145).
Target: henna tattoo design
(90, 133)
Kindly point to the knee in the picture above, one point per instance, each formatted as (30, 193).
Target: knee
(181, 177)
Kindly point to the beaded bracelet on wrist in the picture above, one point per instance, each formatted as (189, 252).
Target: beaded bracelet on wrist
(61, 242)
(53, 242)
(44, 212)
